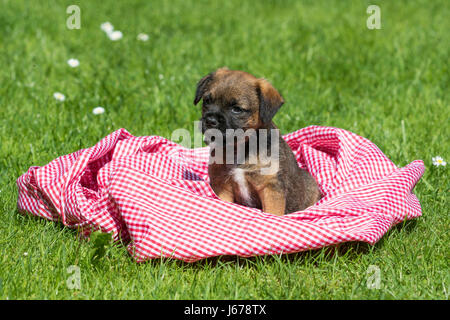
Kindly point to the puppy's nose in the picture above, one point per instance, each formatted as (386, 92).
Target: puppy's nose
(211, 121)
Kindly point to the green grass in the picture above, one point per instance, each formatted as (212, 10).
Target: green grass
(389, 85)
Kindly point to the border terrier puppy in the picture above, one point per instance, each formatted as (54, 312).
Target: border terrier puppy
(250, 163)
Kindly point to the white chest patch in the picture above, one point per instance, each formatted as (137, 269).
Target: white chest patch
(239, 178)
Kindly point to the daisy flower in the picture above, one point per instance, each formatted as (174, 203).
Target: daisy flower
(115, 35)
(438, 161)
(98, 110)
(25, 254)
(73, 63)
(142, 37)
(107, 27)
(59, 96)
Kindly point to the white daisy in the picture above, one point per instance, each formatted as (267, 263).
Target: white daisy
(142, 37)
(25, 254)
(59, 96)
(107, 27)
(98, 110)
(115, 35)
(438, 161)
(73, 63)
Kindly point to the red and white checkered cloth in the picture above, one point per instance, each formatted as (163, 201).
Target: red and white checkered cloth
(155, 194)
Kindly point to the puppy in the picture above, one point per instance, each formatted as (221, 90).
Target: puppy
(255, 168)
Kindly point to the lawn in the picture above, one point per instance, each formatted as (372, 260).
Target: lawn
(389, 85)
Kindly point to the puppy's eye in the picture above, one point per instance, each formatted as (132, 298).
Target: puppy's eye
(236, 109)
(207, 99)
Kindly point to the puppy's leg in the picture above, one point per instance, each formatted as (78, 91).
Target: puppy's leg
(224, 193)
(272, 200)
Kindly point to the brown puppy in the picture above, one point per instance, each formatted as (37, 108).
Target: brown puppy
(250, 163)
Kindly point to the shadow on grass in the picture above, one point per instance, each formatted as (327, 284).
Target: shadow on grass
(349, 250)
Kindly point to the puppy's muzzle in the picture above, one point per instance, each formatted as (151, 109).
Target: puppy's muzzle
(213, 120)
(213, 127)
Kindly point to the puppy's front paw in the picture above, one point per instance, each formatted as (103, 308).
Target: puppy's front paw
(225, 195)
(272, 201)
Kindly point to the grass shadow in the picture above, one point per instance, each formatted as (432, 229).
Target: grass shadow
(350, 250)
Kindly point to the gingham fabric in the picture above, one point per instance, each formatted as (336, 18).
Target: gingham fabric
(155, 195)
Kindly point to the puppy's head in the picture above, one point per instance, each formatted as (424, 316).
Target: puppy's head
(236, 100)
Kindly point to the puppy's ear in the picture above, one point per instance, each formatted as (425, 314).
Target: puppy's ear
(202, 86)
(270, 100)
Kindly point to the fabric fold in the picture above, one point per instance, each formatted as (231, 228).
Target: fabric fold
(155, 195)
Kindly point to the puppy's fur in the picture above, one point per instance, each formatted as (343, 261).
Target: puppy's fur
(238, 100)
